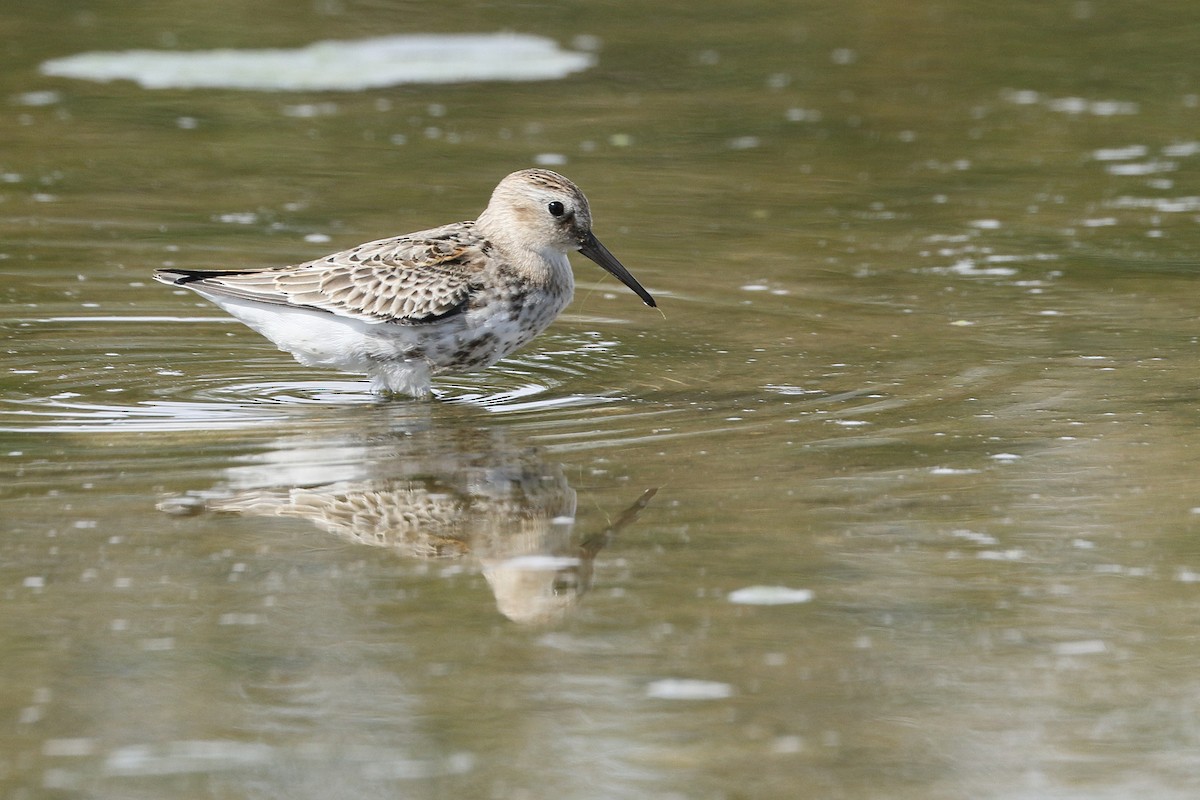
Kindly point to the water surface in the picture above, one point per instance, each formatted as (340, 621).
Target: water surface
(897, 496)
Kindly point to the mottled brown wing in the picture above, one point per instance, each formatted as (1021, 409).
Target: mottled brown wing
(419, 277)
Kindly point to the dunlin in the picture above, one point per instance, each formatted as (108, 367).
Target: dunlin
(452, 299)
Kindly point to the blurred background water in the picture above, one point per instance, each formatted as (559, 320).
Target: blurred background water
(897, 497)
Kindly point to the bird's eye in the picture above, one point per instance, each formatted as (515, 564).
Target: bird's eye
(556, 208)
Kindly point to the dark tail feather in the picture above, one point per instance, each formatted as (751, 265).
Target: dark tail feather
(182, 277)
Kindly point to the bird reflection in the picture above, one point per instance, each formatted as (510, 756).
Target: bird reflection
(456, 496)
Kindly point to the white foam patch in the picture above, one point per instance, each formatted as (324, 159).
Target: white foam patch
(770, 596)
(335, 65)
(684, 689)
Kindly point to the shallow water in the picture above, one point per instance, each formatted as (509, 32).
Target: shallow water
(897, 497)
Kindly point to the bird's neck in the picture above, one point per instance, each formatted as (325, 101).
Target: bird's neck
(540, 266)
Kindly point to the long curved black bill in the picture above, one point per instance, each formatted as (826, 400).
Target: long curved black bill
(591, 247)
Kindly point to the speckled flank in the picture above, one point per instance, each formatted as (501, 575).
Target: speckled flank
(451, 299)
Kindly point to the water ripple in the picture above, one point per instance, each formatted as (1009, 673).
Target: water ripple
(61, 381)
